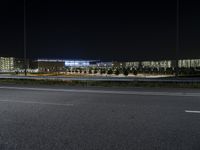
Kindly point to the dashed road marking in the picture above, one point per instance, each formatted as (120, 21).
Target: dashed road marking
(40, 103)
(192, 111)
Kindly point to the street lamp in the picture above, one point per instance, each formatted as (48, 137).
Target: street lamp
(25, 59)
(177, 37)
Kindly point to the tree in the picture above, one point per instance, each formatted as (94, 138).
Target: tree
(102, 71)
(110, 71)
(155, 70)
(90, 71)
(125, 72)
(135, 72)
(80, 70)
(169, 71)
(117, 72)
(95, 71)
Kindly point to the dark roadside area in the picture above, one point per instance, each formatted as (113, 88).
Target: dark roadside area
(172, 82)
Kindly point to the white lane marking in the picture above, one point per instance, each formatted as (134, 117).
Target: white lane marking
(31, 102)
(180, 94)
(192, 111)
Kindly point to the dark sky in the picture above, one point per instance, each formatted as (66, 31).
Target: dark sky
(108, 31)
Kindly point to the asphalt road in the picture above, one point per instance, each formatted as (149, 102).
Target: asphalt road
(99, 119)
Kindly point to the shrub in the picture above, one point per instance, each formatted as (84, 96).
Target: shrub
(125, 72)
(135, 72)
(90, 71)
(102, 71)
(95, 71)
(117, 72)
(110, 71)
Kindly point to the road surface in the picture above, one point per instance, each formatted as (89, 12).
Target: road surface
(38, 118)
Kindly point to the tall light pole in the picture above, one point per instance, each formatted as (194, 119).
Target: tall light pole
(25, 59)
(177, 38)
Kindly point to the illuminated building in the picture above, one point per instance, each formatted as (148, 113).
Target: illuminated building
(11, 64)
(189, 63)
(157, 64)
(6, 64)
(59, 65)
(77, 63)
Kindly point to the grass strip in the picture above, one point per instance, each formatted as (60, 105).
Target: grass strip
(101, 83)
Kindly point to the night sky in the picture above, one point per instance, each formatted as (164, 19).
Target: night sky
(107, 31)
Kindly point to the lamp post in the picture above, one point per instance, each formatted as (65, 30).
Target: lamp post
(25, 59)
(177, 38)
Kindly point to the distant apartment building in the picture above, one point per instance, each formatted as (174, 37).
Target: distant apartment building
(135, 64)
(184, 63)
(157, 64)
(6, 64)
(11, 64)
(189, 63)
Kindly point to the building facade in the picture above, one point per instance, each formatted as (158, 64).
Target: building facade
(11, 64)
(7, 64)
(185, 63)
(59, 65)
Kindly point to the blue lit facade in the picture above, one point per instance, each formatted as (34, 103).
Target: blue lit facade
(77, 63)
